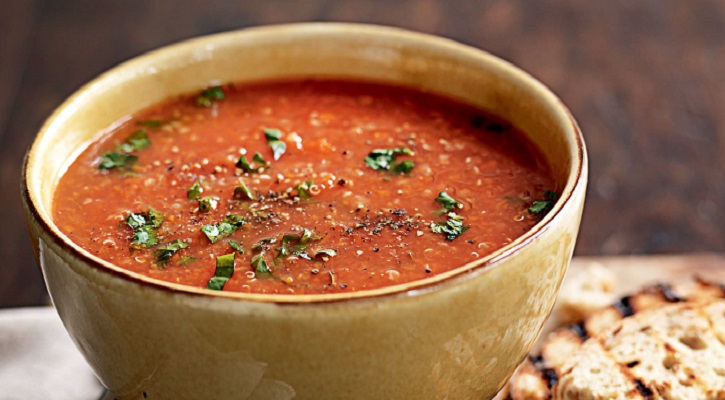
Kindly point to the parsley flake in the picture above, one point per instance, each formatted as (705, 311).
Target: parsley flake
(452, 228)
(194, 191)
(326, 252)
(144, 227)
(303, 189)
(214, 232)
(155, 218)
(296, 245)
(236, 246)
(143, 237)
(542, 207)
(272, 134)
(384, 159)
(260, 264)
(404, 167)
(208, 203)
(242, 192)
(447, 201)
(164, 253)
(136, 220)
(231, 223)
(111, 160)
(187, 260)
(138, 140)
(223, 272)
(263, 244)
(120, 157)
(210, 96)
(248, 167)
(274, 141)
(278, 148)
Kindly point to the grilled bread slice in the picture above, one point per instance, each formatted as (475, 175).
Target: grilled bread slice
(591, 289)
(665, 342)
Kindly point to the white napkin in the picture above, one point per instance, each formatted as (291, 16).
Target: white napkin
(38, 360)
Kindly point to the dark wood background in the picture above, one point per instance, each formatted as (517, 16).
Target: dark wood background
(645, 79)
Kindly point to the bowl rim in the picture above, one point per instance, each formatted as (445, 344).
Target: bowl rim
(576, 176)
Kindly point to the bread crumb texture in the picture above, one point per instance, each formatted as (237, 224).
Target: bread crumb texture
(661, 343)
(589, 290)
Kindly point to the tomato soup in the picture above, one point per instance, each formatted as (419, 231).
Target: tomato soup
(303, 186)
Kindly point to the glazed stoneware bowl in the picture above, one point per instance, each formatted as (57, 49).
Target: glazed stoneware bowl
(458, 335)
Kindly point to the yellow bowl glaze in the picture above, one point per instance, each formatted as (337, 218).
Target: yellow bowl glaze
(458, 336)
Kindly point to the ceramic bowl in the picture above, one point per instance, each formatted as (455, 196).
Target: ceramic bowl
(457, 336)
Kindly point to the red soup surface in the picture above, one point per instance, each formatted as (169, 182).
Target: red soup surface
(303, 186)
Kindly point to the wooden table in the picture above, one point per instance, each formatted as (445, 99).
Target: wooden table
(644, 79)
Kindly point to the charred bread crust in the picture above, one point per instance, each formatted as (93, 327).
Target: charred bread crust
(543, 376)
(531, 383)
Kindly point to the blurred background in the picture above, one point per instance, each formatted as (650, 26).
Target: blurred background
(643, 78)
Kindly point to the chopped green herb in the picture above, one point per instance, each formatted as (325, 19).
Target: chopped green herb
(136, 220)
(144, 228)
(214, 92)
(236, 246)
(274, 137)
(384, 159)
(210, 96)
(246, 166)
(447, 201)
(223, 272)
(542, 207)
(194, 191)
(291, 244)
(296, 245)
(138, 140)
(216, 283)
(539, 207)
(235, 219)
(286, 239)
(120, 157)
(301, 252)
(303, 190)
(259, 264)
(242, 192)
(111, 160)
(144, 237)
(213, 232)
(259, 159)
(278, 148)
(225, 228)
(404, 167)
(263, 243)
(187, 260)
(272, 134)
(452, 228)
(326, 252)
(155, 218)
(165, 252)
(307, 236)
(298, 250)
(208, 203)
(225, 266)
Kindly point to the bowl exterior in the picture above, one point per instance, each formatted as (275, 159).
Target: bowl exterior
(458, 339)
(458, 342)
